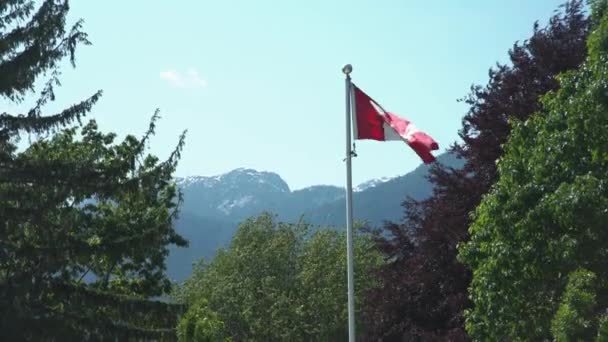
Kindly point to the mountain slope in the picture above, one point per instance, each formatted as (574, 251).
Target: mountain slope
(205, 236)
(213, 206)
(381, 201)
(235, 195)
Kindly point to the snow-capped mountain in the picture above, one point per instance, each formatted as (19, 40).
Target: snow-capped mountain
(236, 178)
(242, 193)
(214, 206)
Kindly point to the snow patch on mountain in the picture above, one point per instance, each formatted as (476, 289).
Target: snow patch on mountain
(371, 183)
(228, 205)
(203, 181)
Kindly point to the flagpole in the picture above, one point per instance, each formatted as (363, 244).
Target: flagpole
(349, 210)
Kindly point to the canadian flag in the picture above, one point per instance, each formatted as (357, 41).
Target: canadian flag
(371, 121)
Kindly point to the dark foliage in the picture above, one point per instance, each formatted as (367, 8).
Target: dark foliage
(424, 291)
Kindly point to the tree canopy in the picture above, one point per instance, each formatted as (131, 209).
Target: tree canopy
(85, 221)
(538, 241)
(276, 282)
(424, 288)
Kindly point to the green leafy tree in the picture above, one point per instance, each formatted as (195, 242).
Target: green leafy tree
(538, 242)
(573, 320)
(201, 324)
(85, 222)
(280, 282)
(424, 288)
(323, 282)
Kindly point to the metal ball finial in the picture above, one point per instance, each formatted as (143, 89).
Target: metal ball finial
(347, 69)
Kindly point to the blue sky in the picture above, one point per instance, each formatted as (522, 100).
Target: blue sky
(258, 83)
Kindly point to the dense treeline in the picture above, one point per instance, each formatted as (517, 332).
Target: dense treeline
(275, 282)
(538, 247)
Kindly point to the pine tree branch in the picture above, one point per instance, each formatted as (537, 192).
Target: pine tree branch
(33, 122)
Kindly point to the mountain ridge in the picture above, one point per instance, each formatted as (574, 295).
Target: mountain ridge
(213, 206)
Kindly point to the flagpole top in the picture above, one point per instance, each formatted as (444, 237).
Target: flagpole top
(347, 69)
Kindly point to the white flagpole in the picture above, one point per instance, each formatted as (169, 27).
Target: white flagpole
(349, 210)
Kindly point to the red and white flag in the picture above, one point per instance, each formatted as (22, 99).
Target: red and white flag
(371, 121)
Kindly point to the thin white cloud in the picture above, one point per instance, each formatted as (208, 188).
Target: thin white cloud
(190, 79)
(195, 78)
(172, 77)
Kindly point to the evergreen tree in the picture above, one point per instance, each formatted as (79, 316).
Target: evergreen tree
(538, 248)
(85, 222)
(424, 287)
